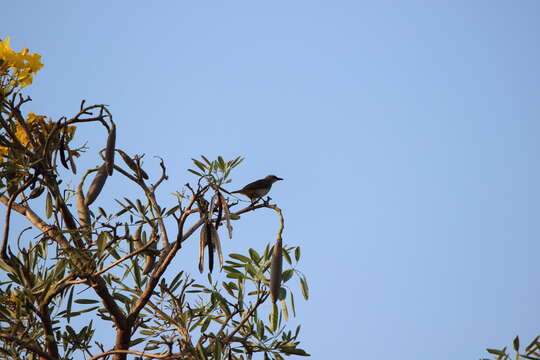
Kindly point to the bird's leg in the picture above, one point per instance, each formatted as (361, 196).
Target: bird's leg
(267, 200)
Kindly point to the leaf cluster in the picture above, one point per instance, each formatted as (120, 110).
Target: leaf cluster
(531, 351)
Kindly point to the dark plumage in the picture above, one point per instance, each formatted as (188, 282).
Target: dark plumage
(259, 188)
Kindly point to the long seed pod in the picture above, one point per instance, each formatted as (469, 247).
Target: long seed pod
(62, 150)
(219, 215)
(71, 161)
(137, 237)
(84, 216)
(275, 275)
(227, 214)
(97, 185)
(109, 151)
(202, 245)
(217, 245)
(210, 244)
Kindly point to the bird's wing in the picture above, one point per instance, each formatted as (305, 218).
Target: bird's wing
(256, 185)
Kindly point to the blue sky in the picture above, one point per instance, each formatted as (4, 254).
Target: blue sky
(407, 134)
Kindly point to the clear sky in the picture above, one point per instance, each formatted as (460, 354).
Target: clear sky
(407, 133)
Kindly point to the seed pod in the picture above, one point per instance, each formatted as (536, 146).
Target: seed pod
(97, 185)
(227, 214)
(137, 237)
(71, 161)
(84, 216)
(62, 150)
(202, 245)
(109, 151)
(217, 245)
(210, 244)
(275, 274)
(219, 215)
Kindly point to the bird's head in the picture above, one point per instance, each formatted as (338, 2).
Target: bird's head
(273, 178)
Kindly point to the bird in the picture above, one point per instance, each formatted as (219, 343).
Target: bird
(257, 189)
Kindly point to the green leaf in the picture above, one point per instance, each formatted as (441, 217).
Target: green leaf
(201, 351)
(496, 352)
(260, 329)
(274, 317)
(291, 298)
(235, 276)
(230, 269)
(4, 266)
(304, 287)
(251, 270)
(287, 275)
(516, 343)
(221, 164)
(282, 293)
(206, 160)
(86, 301)
(101, 242)
(48, 206)
(287, 256)
(294, 351)
(297, 253)
(102, 212)
(136, 342)
(69, 303)
(195, 172)
(226, 287)
(86, 310)
(254, 255)
(205, 325)
(240, 257)
(284, 309)
(532, 344)
(176, 281)
(199, 164)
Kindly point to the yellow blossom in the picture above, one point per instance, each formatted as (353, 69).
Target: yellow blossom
(17, 68)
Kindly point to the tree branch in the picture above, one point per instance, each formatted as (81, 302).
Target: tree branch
(25, 345)
(146, 246)
(166, 355)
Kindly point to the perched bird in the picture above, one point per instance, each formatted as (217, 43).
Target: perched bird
(259, 188)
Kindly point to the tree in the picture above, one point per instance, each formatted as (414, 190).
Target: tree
(119, 256)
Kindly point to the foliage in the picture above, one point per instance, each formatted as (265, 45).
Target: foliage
(91, 265)
(531, 351)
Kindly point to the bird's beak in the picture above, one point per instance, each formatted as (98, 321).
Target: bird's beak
(278, 178)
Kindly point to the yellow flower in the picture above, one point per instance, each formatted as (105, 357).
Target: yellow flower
(17, 68)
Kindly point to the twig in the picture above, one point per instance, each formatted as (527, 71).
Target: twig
(146, 246)
(247, 316)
